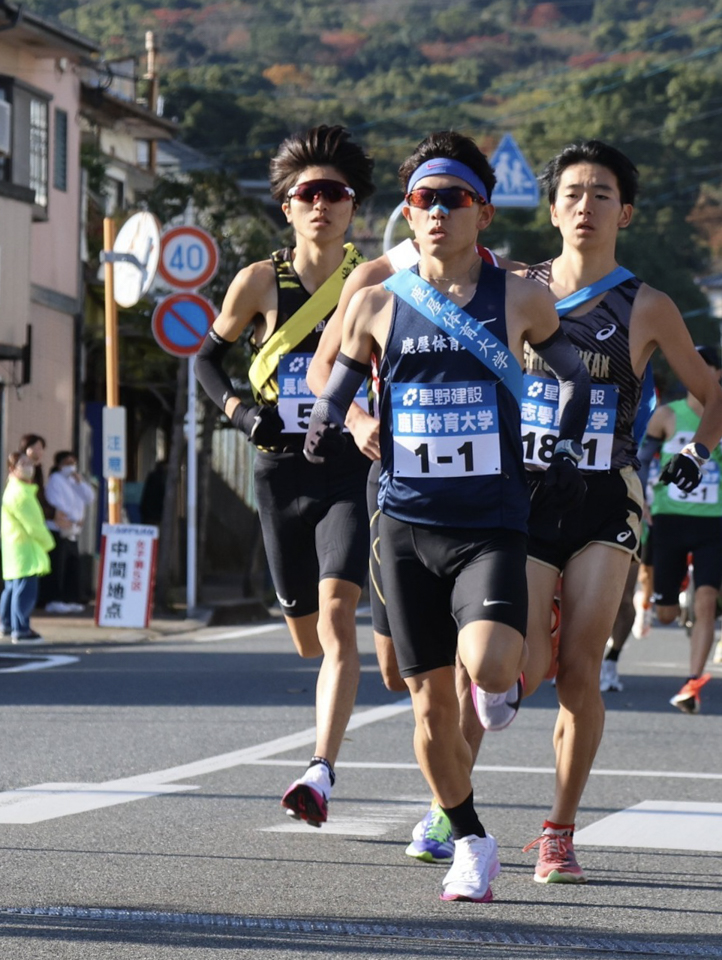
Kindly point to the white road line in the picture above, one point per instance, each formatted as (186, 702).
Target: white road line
(237, 634)
(37, 663)
(660, 825)
(47, 801)
(370, 820)
(363, 765)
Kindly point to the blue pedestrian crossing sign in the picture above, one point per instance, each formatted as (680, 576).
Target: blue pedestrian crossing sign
(516, 185)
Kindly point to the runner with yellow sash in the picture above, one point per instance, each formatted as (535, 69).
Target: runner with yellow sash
(314, 521)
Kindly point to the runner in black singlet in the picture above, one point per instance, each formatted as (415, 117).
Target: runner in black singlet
(313, 520)
(591, 189)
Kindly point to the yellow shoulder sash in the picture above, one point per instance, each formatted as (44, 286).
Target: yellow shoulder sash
(297, 327)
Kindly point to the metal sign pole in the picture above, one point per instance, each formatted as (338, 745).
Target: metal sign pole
(390, 225)
(192, 485)
(111, 360)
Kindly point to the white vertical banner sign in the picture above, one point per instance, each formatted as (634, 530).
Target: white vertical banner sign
(114, 452)
(192, 487)
(127, 575)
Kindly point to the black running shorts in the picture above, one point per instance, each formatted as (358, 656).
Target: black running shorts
(647, 551)
(610, 514)
(675, 536)
(314, 523)
(439, 579)
(379, 617)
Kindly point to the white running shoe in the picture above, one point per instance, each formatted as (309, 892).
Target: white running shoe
(717, 656)
(609, 677)
(642, 625)
(496, 710)
(476, 864)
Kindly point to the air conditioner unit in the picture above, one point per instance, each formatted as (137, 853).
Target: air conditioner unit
(5, 128)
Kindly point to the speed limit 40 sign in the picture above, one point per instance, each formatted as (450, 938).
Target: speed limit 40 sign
(188, 258)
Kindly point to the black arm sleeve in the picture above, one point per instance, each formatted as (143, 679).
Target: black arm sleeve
(648, 450)
(562, 358)
(346, 377)
(209, 369)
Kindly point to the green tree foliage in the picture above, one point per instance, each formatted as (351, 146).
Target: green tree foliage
(643, 75)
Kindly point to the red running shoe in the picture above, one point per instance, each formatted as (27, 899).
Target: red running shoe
(556, 863)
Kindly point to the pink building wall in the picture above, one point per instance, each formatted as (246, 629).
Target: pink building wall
(46, 405)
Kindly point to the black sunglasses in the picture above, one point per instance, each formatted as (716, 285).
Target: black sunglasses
(450, 197)
(332, 190)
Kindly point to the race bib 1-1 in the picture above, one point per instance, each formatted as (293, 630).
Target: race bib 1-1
(445, 430)
(540, 423)
(295, 397)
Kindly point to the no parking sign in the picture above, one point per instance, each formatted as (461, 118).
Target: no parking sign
(181, 321)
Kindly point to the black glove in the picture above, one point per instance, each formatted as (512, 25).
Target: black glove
(545, 515)
(262, 425)
(564, 482)
(682, 470)
(323, 440)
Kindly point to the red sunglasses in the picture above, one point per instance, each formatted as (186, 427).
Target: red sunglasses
(332, 190)
(450, 197)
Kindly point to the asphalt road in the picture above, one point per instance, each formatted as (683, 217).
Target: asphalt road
(140, 814)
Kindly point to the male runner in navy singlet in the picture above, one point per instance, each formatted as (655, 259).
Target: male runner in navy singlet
(314, 523)
(432, 840)
(453, 495)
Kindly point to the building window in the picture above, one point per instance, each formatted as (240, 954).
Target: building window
(60, 152)
(142, 148)
(39, 150)
(27, 165)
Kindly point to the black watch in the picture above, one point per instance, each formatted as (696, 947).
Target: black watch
(569, 448)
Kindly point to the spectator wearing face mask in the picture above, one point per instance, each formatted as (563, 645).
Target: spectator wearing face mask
(25, 545)
(67, 491)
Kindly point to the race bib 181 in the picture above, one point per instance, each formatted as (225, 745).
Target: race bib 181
(540, 423)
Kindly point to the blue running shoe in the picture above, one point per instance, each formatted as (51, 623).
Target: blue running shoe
(431, 838)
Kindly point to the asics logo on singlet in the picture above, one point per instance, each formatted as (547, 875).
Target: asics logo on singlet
(491, 603)
(606, 332)
(285, 603)
(621, 537)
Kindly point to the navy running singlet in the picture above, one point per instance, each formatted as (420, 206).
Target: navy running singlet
(450, 430)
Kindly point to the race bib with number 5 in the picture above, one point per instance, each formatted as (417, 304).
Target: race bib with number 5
(295, 397)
